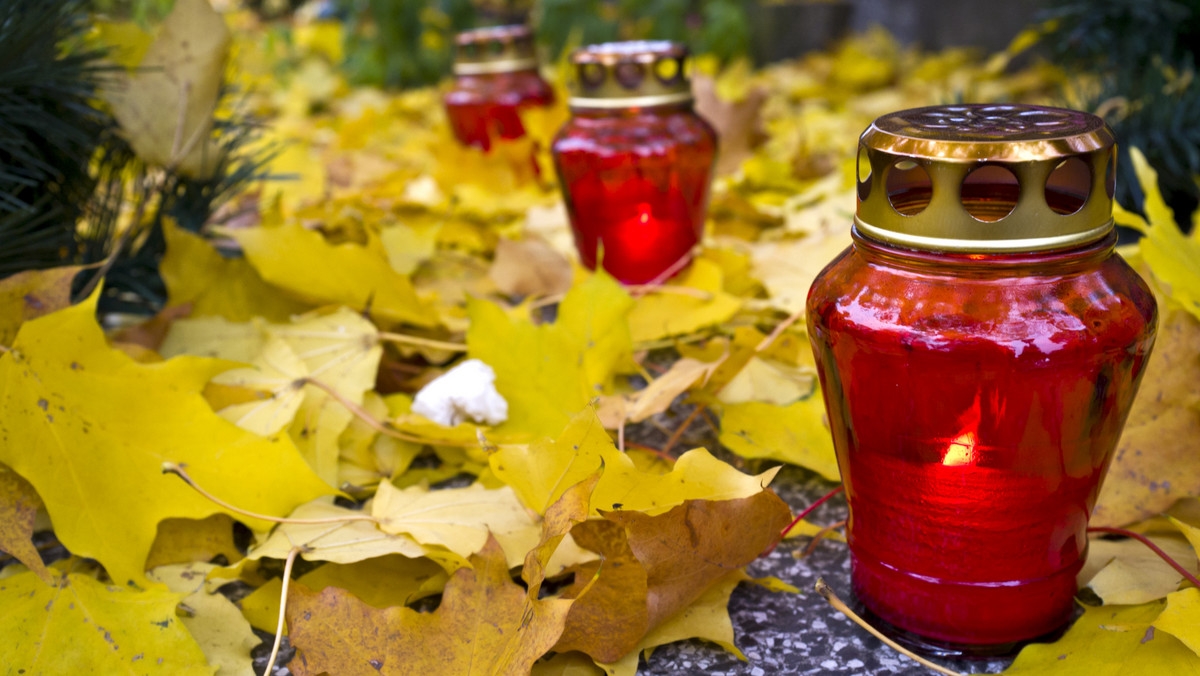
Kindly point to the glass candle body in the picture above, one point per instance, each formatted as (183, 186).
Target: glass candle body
(485, 107)
(975, 401)
(636, 184)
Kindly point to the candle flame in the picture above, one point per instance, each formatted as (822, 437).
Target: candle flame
(963, 449)
(643, 213)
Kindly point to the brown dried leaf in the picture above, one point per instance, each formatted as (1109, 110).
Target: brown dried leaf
(1155, 461)
(655, 566)
(610, 620)
(699, 542)
(19, 504)
(738, 123)
(530, 267)
(31, 294)
(484, 625)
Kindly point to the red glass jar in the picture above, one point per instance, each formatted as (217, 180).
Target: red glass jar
(979, 346)
(495, 77)
(635, 160)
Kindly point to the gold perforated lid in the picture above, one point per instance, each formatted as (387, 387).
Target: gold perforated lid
(986, 178)
(500, 49)
(637, 74)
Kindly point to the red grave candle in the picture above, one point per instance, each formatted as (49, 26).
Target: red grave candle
(496, 76)
(979, 346)
(635, 160)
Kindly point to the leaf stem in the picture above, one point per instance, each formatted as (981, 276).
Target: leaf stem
(178, 470)
(1153, 547)
(283, 595)
(374, 423)
(824, 590)
(421, 342)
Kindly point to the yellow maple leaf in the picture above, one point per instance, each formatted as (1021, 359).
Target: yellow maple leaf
(549, 373)
(308, 266)
(195, 272)
(1173, 257)
(1110, 641)
(82, 626)
(542, 472)
(213, 620)
(795, 433)
(1181, 618)
(459, 519)
(104, 425)
(670, 312)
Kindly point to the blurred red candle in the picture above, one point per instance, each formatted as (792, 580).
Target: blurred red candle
(634, 160)
(979, 347)
(495, 77)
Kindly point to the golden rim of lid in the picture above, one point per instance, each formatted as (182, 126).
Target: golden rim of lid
(986, 178)
(636, 74)
(498, 49)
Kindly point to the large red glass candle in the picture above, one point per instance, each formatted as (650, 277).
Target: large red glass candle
(495, 77)
(635, 160)
(979, 346)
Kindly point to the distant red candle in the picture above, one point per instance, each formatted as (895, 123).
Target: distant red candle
(496, 76)
(979, 347)
(634, 160)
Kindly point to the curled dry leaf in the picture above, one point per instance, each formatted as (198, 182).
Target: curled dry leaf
(165, 109)
(653, 567)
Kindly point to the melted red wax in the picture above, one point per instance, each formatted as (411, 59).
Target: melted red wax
(636, 185)
(975, 402)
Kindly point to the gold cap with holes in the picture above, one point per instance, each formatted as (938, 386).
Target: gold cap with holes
(500, 49)
(986, 178)
(638, 74)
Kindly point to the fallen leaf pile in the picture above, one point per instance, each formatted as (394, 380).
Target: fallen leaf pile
(264, 422)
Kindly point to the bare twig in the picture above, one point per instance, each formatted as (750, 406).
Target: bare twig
(675, 267)
(812, 546)
(283, 595)
(778, 331)
(654, 451)
(178, 470)
(675, 437)
(1153, 547)
(808, 510)
(824, 590)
